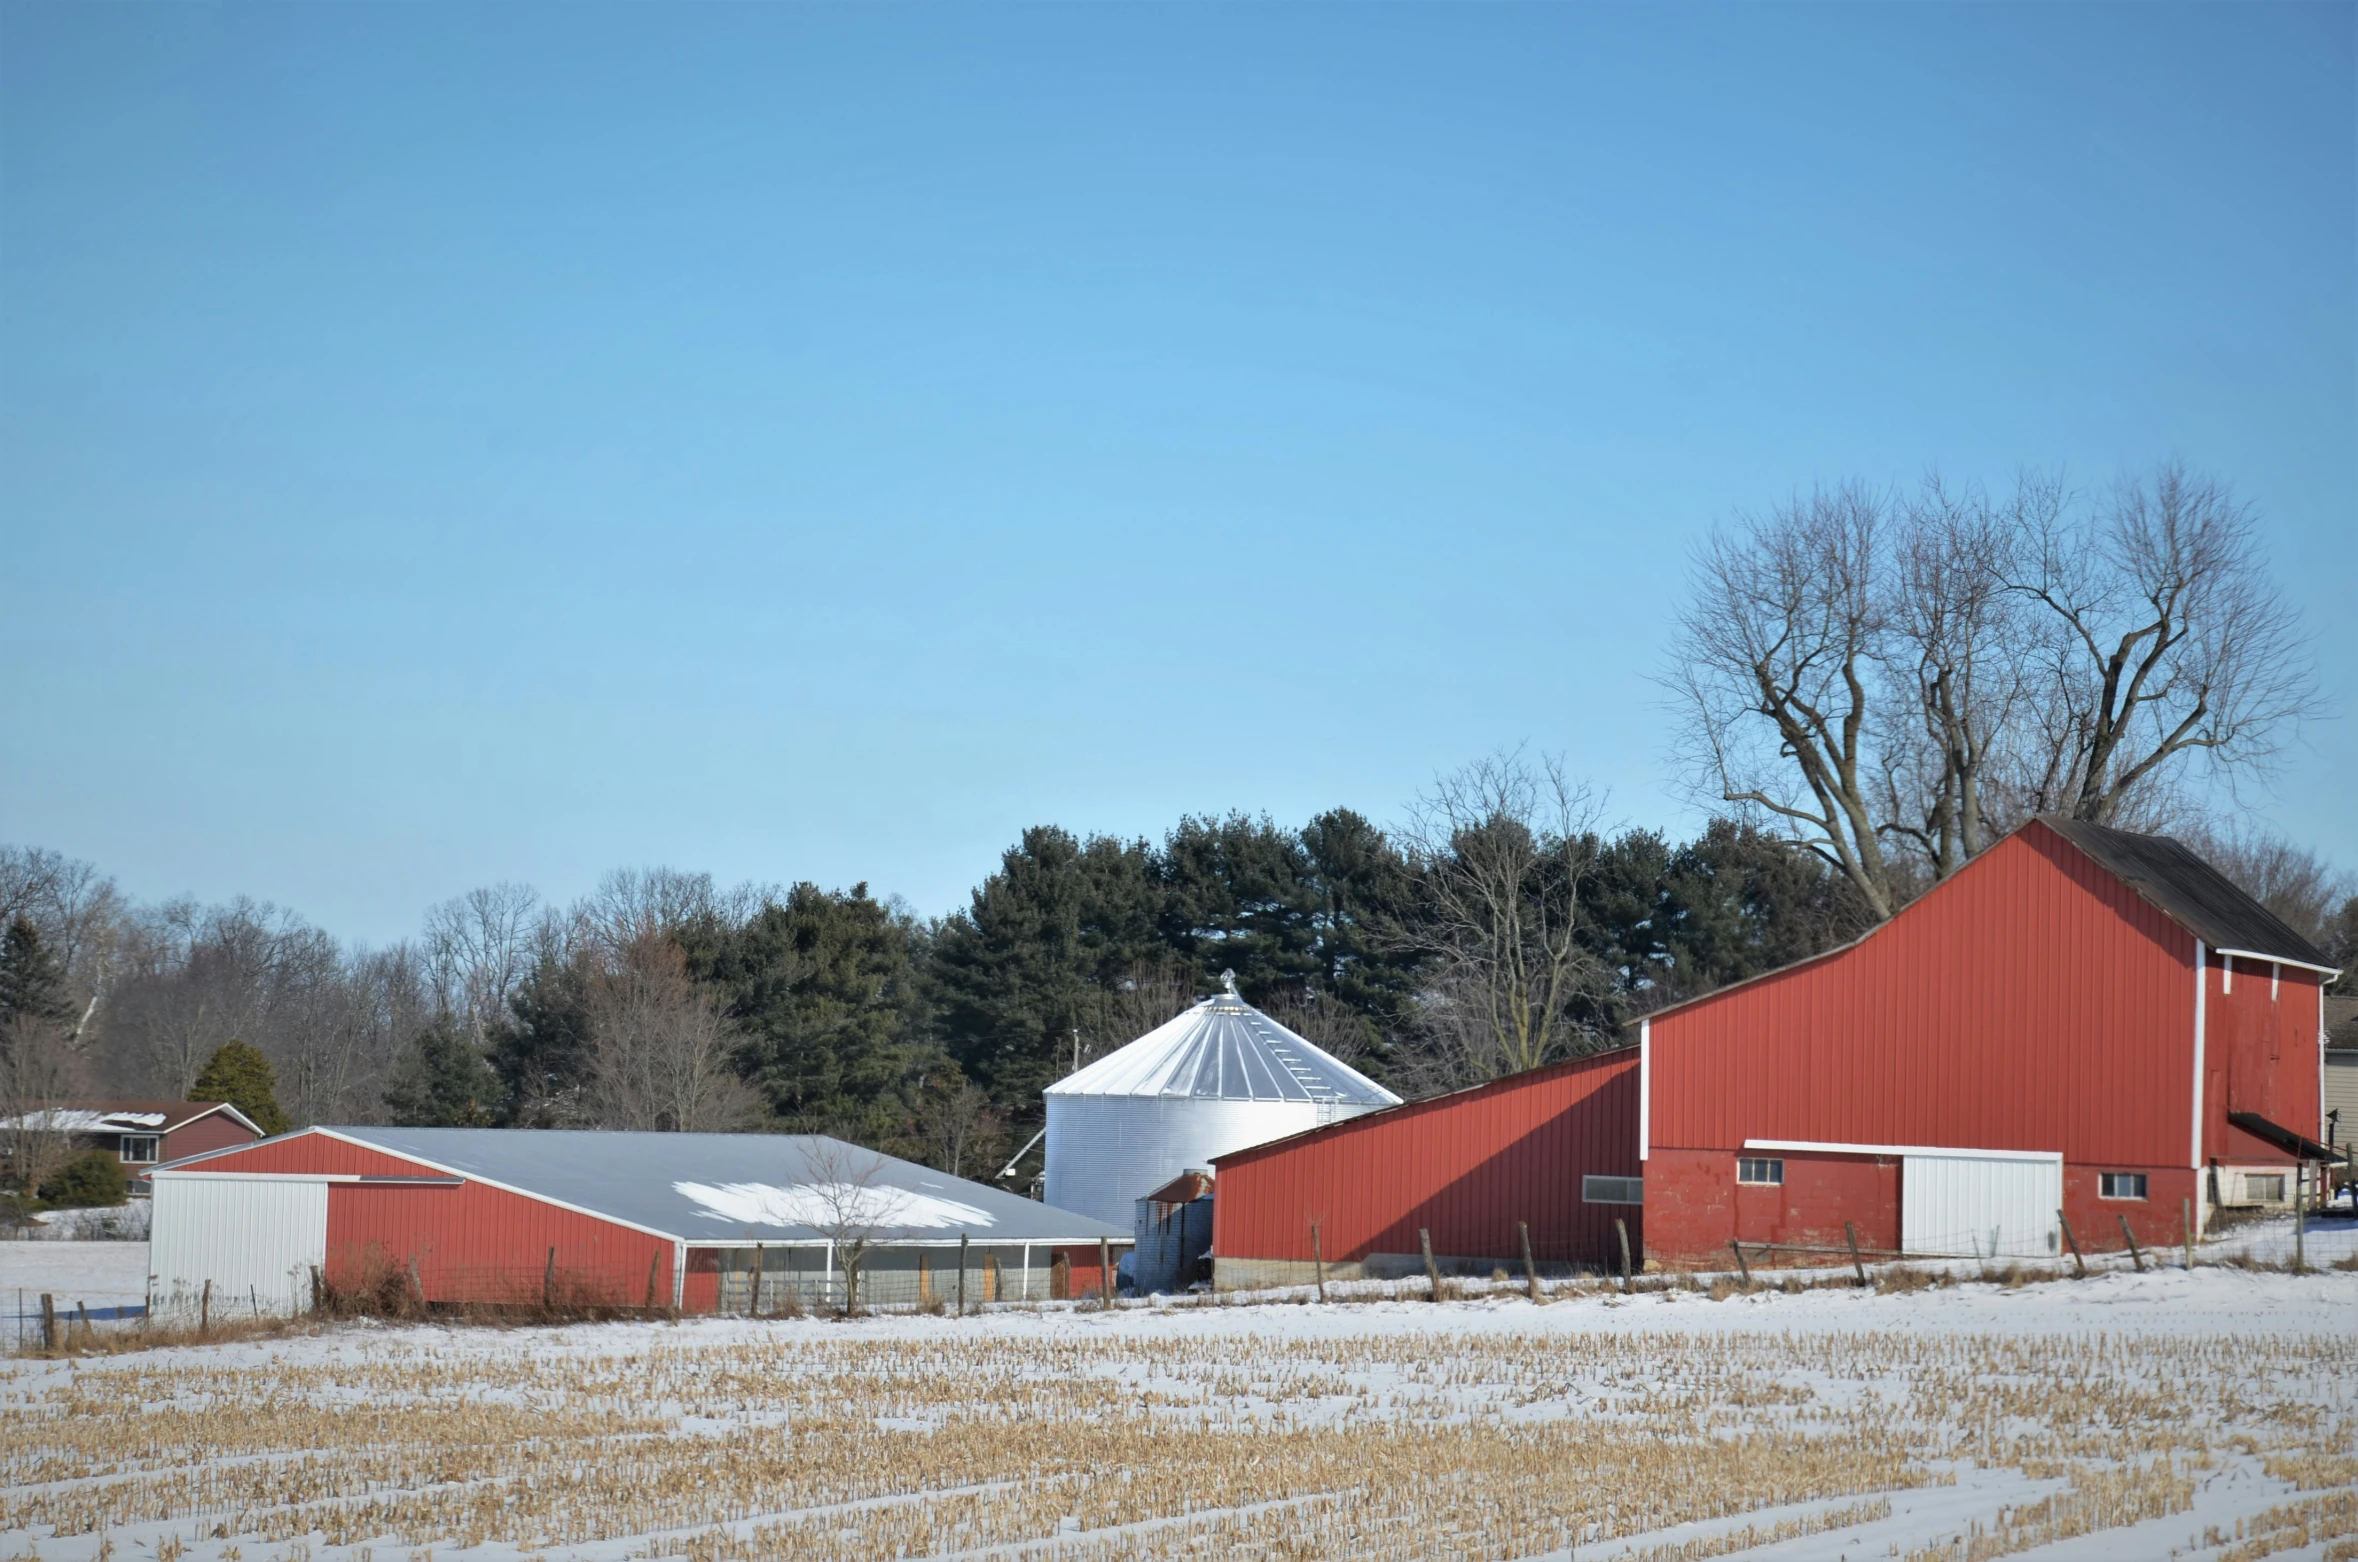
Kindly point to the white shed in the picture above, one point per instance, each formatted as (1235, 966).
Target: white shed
(1219, 1078)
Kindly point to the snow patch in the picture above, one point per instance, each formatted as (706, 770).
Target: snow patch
(821, 1205)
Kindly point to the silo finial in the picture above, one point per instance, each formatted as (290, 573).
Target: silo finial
(1228, 980)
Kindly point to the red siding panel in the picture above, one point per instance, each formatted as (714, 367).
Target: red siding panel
(1467, 1167)
(2032, 1002)
(475, 1243)
(214, 1131)
(318, 1154)
(2259, 1055)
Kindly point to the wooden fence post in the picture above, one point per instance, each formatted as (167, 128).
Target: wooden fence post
(963, 1239)
(2186, 1226)
(2130, 1237)
(760, 1261)
(654, 1264)
(205, 1309)
(548, 1281)
(1432, 1270)
(48, 1321)
(1621, 1228)
(1105, 1274)
(415, 1283)
(1851, 1233)
(1742, 1267)
(1530, 1269)
(2079, 1265)
(2300, 1216)
(1317, 1261)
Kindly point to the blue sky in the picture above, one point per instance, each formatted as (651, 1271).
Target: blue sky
(449, 444)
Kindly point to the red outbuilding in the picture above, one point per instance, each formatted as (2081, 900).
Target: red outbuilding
(2081, 1024)
(702, 1222)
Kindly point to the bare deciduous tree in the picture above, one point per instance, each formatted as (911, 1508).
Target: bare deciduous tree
(1777, 666)
(954, 1123)
(849, 1208)
(40, 1072)
(2164, 641)
(662, 1050)
(479, 947)
(1897, 682)
(1501, 847)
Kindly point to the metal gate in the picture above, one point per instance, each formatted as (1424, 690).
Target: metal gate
(1981, 1203)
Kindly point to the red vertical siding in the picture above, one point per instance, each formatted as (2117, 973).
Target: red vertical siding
(2032, 1002)
(2259, 1055)
(469, 1243)
(476, 1243)
(1466, 1167)
(214, 1131)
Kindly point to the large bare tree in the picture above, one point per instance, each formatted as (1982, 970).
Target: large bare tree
(1501, 847)
(2163, 640)
(1777, 669)
(1897, 680)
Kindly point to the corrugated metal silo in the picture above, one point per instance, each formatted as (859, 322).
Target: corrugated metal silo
(1219, 1078)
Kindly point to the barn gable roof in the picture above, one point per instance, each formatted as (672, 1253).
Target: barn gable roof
(2189, 891)
(2159, 870)
(713, 1189)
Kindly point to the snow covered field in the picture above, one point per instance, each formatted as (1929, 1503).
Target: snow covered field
(2212, 1414)
(92, 1274)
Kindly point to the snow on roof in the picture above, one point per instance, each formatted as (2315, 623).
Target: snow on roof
(735, 1187)
(83, 1120)
(1224, 1049)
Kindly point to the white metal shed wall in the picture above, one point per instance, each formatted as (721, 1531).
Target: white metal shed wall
(1991, 1205)
(255, 1238)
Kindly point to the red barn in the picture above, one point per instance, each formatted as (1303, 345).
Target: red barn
(519, 1216)
(1554, 1150)
(2080, 1020)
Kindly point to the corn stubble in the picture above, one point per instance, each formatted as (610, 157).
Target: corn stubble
(801, 1443)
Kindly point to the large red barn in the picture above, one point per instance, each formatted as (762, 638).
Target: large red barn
(2082, 1020)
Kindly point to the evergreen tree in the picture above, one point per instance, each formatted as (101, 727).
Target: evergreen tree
(1048, 937)
(243, 1077)
(31, 984)
(542, 1051)
(92, 1180)
(824, 984)
(443, 1081)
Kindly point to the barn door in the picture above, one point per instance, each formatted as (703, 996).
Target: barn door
(1967, 1206)
(255, 1240)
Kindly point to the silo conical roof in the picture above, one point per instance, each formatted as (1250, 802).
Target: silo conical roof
(1224, 1049)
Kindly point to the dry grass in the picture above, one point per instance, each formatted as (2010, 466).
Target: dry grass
(807, 1441)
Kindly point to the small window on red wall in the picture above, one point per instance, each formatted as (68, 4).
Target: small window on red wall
(1755, 1169)
(2120, 1185)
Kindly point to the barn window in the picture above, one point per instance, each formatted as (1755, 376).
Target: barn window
(2121, 1185)
(1759, 1169)
(2264, 1190)
(1613, 1190)
(137, 1149)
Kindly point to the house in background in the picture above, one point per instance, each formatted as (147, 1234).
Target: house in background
(140, 1134)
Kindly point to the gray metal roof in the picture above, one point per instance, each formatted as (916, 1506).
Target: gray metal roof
(737, 1187)
(2188, 890)
(1224, 1049)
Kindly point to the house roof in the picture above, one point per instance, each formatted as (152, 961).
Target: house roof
(1224, 1049)
(109, 1117)
(726, 1188)
(2190, 892)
